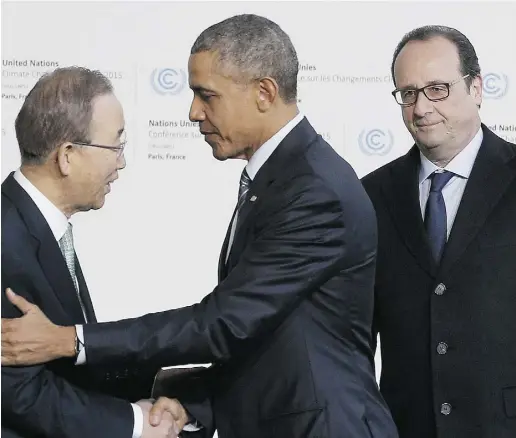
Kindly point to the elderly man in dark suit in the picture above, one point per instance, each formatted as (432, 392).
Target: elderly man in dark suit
(289, 325)
(70, 131)
(446, 271)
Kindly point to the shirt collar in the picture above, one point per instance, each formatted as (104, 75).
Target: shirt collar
(265, 150)
(460, 165)
(55, 218)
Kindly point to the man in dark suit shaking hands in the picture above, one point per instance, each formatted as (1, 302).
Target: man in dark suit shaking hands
(446, 272)
(70, 131)
(288, 327)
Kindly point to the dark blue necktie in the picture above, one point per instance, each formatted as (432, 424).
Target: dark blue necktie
(245, 182)
(435, 214)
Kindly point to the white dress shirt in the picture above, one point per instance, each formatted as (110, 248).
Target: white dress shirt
(258, 159)
(58, 223)
(461, 166)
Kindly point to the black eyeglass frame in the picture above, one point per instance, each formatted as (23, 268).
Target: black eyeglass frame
(423, 89)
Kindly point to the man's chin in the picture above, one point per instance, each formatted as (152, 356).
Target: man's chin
(99, 203)
(218, 156)
(223, 154)
(428, 142)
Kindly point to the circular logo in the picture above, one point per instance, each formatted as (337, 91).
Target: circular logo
(376, 141)
(495, 85)
(168, 80)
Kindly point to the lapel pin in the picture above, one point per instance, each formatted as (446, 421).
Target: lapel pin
(253, 198)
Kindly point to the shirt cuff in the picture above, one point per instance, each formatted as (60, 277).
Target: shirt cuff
(193, 426)
(81, 357)
(138, 421)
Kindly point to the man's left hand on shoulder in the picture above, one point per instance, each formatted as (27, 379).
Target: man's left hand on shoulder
(33, 339)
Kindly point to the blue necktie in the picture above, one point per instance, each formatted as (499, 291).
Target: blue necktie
(435, 214)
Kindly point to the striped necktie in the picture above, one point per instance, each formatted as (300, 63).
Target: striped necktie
(243, 189)
(66, 245)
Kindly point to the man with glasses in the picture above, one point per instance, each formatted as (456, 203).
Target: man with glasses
(445, 304)
(70, 132)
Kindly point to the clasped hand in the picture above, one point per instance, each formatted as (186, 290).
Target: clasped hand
(33, 339)
(165, 418)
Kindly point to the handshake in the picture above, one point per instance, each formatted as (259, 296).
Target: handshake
(164, 418)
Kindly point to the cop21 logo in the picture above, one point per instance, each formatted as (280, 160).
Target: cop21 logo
(495, 85)
(168, 81)
(376, 141)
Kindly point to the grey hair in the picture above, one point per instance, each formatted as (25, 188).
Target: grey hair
(58, 109)
(467, 56)
(255, 47)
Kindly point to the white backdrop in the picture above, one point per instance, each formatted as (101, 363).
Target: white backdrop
(155, 243)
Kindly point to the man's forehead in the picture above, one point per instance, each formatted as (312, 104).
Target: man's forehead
(430, 53)
(202, 61)
(205, 79)
(425, 66)
(106, 103)
(107, 115)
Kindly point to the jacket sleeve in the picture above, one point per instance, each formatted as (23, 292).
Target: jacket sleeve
(301, 245)
(36, 402)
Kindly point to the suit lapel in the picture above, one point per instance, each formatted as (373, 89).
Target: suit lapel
(240, 237)
(83, 291)
(403, 203)
(246, 209)
(222, 271)
(489, 179)
(48, 253)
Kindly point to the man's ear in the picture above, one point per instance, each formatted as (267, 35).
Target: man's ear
(64, 158)
(475, 89)
(268, 91)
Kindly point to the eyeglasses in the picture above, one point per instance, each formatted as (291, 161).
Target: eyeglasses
(119, 149)
(433, 92)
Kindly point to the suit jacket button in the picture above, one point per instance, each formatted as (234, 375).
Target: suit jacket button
(439, 290)
(446, 409)
(442, 348)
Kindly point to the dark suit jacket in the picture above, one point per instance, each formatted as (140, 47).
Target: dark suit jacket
(289, 325)
(468, 302)
(57, 399)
